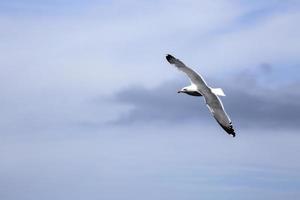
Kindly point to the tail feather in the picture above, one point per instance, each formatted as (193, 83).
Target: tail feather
(218, 91)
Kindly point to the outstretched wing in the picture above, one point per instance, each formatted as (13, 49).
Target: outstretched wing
(215, 106)
(194, 77)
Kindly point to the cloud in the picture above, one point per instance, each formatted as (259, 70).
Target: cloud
(249, 102)
(252, 44)
(159, 103)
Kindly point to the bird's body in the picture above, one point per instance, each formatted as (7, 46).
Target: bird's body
(199, 87)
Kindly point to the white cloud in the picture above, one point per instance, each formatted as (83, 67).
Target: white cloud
(273, 39)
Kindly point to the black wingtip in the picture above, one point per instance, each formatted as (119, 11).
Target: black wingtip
(228, 130)
(233, 134)
(170, 58)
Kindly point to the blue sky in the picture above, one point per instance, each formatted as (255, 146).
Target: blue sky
(89, 108)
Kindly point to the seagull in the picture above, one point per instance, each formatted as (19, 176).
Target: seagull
(199, 87)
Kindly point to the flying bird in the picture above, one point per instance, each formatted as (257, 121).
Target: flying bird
(199, 87)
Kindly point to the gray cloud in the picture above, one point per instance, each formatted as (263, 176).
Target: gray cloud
(160, 103)
(249, 103)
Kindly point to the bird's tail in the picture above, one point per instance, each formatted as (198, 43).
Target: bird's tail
(218, 91)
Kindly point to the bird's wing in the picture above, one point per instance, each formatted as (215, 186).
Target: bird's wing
(215, 106)
(194, 77)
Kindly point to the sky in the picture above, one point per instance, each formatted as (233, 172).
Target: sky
(90, 110)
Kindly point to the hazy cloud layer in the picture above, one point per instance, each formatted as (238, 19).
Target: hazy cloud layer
(151, 162)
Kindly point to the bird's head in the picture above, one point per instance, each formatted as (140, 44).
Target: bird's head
(183, 90)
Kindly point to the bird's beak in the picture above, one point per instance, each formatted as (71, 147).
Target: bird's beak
(179, 91)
